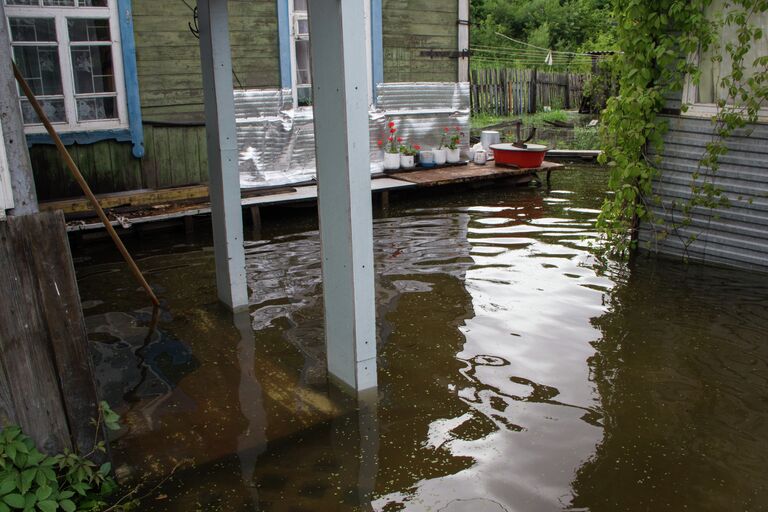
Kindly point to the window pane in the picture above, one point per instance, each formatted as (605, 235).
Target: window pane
(39, 65)
(83, 30)
(712, 73)
(302, 27)
(36, 3)
(94, 109)
(53, 108)
(299, 5)
(303, 73)
(33, 29)
(92, 3)
(93, 71)
(59, 3)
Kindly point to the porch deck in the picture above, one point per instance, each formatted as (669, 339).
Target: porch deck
(146, 206)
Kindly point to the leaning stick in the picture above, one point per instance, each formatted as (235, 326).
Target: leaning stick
(77, 175)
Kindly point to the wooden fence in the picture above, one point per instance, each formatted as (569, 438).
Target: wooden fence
(505, 92)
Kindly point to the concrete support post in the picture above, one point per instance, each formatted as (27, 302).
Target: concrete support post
(340, 88)
(19, 166)
(224, 177)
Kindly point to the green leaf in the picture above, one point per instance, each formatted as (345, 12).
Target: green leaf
(67, 506)
(14, 500)
(48, 506)
(43, 493)
(7, 485)
(4, 507)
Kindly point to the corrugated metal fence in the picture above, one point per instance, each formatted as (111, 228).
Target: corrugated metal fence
(504, 92)
(735, 236)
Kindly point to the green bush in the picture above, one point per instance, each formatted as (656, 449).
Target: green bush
(32, 481)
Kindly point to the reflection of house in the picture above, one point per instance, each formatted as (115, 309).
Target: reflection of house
(735, 235)
(122, 79)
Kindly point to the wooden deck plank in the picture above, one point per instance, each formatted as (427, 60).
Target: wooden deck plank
(471, 172)
(397, 181)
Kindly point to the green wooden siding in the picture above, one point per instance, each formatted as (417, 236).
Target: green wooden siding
(168, 55)
(413, 26)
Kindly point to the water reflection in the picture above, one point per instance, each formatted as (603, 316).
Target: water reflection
(516, 372)
(682, 371)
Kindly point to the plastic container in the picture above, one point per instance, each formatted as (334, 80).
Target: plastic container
(530, 157)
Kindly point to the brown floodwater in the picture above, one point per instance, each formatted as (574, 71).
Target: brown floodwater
(517, 372)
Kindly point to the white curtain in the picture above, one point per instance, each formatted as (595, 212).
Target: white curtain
(710, 89)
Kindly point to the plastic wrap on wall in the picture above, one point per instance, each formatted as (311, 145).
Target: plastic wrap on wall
(276, 142)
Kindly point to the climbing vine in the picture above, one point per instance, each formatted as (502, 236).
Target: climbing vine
(657, 40)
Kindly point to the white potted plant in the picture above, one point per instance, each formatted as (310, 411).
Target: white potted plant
(408, 156)
(453, 150)
(391, 149)
(440, 151)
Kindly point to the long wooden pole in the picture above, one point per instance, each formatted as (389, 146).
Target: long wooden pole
(77, 175)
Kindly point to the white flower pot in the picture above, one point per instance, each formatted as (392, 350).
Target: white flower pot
(391, 161)
(440, 156)
(453, 155)
(427, 158)
(407, 161)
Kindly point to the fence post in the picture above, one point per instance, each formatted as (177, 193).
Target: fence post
(532, 92)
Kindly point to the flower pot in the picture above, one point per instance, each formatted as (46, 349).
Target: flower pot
(407, 161)
(453, 155)
(427, 158)
(440, 156)
(391, 161)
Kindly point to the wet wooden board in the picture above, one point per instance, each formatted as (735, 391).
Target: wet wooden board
(471, 172)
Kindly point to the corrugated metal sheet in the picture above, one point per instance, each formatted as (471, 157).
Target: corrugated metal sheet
(735, 236)
(277, 142)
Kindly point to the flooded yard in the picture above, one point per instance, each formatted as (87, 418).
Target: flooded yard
(517, 372)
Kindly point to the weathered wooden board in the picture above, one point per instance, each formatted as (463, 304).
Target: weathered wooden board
(46, 383)
(472, 172)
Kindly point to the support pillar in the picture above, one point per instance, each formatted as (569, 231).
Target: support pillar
(224, 177)
(340, 89)
(12, 134)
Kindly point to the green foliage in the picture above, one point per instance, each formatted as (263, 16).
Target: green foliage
(33, 482)
(657, 39)
(584, 138)
(566, 25)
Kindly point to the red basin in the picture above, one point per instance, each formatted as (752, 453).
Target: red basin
(529, 158)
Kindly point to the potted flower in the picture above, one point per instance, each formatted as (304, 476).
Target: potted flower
(408, 155)
(454, 151)
(391, 149)
(440, 151)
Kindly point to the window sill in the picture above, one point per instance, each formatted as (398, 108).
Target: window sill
(91, 137)
(708, 111)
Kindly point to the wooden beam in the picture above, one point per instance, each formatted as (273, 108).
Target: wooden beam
(17, 153)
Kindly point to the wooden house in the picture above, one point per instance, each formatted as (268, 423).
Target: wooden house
(122, 79)
(734, 235)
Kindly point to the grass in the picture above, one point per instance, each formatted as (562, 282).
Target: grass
(480, 121)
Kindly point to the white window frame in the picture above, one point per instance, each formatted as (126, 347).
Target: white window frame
(294, 17)
(60, 16)
(6, 194)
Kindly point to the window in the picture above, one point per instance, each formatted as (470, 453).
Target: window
(69, 53)
(703, 97)
(302, 75)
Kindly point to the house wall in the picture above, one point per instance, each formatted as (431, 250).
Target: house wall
(736, 236)
(170, 87)
(413, 26)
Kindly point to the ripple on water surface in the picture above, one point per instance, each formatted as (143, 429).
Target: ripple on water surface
(516, 371)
